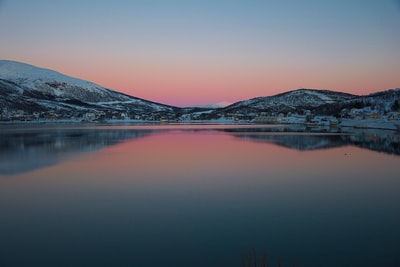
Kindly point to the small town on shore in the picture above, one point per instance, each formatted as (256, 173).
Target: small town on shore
(358, 118)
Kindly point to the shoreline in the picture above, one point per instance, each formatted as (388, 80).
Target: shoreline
(371, 124)
(380, 124)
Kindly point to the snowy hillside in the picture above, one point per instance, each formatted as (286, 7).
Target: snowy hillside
(28, 89)
(293, 100)
(306, 105)
(33, 77)
(31, 93)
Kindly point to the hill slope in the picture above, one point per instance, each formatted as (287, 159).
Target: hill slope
(292, 101)
(27, 91)
(29, 88)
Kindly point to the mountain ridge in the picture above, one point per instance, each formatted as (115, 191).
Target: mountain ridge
(26, 89)
(294, 95)
(29, 75)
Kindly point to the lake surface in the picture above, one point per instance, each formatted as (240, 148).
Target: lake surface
(198, 195)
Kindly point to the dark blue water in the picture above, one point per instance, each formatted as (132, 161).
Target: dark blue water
(198, 196)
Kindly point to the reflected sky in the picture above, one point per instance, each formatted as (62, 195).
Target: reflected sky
(26, 149)
(203, 198)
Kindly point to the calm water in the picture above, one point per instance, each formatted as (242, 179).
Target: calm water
(198, 196)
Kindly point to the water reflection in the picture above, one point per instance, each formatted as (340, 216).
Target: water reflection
(302, 138)
(24, 150)
(27, 150)
(198, 196)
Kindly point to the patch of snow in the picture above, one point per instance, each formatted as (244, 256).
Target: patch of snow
(116, 102)
(221, 104)
(321, 96)
(203, 112)
(31, 76)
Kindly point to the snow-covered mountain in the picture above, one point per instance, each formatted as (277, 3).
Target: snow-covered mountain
(28, 92)
(293, 100)
(32, 89)
(308, 101)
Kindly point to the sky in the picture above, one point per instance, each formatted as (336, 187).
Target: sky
(198, 52)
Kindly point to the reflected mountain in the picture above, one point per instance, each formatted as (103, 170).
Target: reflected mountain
(24, 151)
(302, 138)
(296, 141)
(387, 142)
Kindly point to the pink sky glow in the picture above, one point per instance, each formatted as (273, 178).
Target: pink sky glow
(187, 53)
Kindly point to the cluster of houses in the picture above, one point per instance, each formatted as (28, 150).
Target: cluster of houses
(84, 116)
(303, 117)
(368, 113)
(290, 118)
(21, 115)
(308, 118)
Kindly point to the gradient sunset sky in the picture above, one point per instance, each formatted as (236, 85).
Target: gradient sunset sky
(191, 52)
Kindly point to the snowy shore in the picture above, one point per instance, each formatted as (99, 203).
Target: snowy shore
(382, 124)
(371, 124)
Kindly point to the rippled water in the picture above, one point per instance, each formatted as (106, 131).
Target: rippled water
(198, 195)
